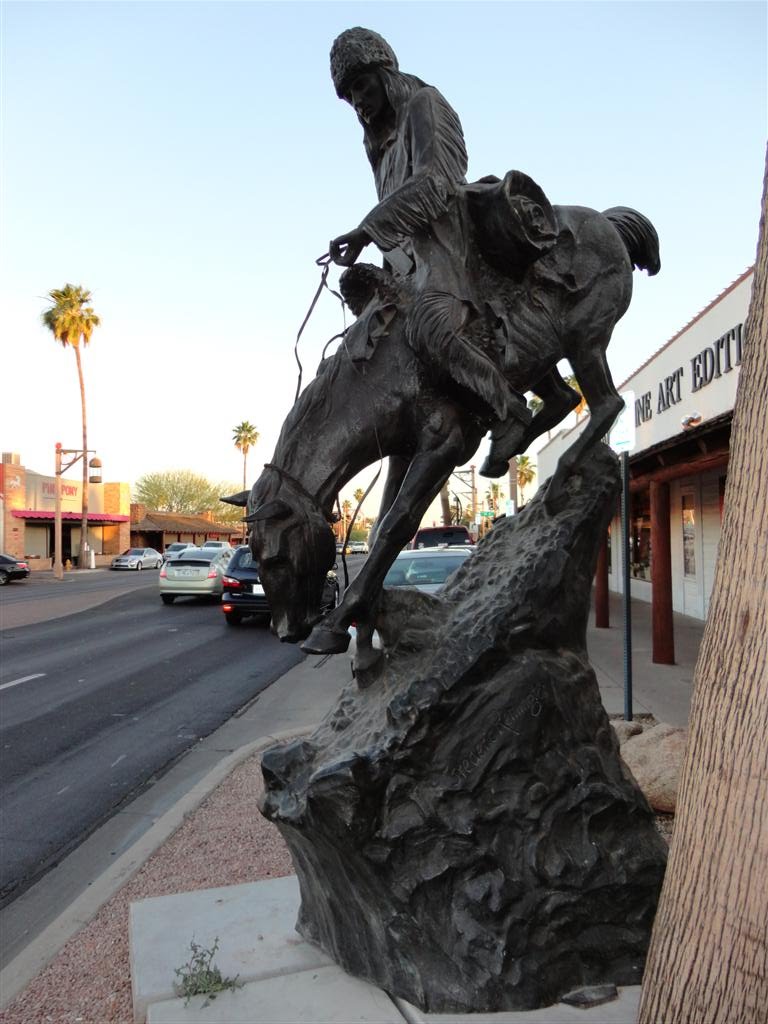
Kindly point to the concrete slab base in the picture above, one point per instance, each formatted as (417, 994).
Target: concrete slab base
(254, 925)
(283, 979)
(323, 996)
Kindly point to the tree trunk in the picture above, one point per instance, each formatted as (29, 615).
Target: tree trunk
(709, 950)
(445, 504)
(245, 460)
(82, 558)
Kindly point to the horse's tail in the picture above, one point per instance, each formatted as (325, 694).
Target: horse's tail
(639, 237)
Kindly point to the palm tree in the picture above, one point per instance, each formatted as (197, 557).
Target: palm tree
(245, 436)
(71, 320)
(581, 408)
(358, 496)
(493, 494)
(526, 471)
(346, 513)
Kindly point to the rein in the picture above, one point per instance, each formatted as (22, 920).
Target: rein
(324, 262)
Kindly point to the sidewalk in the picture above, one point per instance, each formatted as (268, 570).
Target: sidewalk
(660, 690)
(199, 828)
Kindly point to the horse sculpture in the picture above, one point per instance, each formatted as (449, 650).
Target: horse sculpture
(377, 397)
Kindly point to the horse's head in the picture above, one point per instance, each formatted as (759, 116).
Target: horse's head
(294, 547)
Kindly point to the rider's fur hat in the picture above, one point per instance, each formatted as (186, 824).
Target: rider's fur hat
(355, 49)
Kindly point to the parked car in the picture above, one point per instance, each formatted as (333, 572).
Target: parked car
(244, 595)
(138, 558)
(197, 572)
(221, 545)
(342, 550)
(426, 569)
(437, 536)
(358, 547)
(12, 569)
(173, 551)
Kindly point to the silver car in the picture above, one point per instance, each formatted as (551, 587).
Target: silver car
(138, 558)
(426, 569)
(173, 551)
(197, 572)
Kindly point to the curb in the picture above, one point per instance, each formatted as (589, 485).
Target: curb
(42, 949)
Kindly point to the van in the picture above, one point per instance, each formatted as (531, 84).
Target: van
(440, 536)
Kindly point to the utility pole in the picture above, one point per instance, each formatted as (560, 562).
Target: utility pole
(77, 454)
(513, 483)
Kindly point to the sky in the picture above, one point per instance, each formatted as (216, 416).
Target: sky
(188, 162)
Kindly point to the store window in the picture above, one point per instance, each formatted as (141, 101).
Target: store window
(689, 534)
(640, 537)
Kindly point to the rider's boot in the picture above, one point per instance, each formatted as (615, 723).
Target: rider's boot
(506, 436)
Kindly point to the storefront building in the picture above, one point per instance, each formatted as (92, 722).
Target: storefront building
(683, 406)
(153, 529)
(28, 508)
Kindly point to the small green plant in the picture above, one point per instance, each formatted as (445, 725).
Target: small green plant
(199, 976)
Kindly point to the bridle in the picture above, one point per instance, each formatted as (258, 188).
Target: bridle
(330, 517)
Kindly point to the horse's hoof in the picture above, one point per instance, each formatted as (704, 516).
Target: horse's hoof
(367, 676)
(365, 660)
(326, 641)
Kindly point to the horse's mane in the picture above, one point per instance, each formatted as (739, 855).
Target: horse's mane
(317, 397)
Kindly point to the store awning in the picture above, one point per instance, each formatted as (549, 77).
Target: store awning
(75, 517)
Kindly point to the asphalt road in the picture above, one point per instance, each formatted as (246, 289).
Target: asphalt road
(97, 704)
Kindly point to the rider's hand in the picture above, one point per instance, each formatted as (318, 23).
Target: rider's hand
(345, 249)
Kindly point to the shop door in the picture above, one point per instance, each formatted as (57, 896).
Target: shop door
(692, 552)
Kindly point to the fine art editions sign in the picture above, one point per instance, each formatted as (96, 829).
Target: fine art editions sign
(711, 363)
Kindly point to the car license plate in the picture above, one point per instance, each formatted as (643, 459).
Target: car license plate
(187, 572)
(257, 588)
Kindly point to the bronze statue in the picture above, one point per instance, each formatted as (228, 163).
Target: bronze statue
(462, 829)
(485, 287)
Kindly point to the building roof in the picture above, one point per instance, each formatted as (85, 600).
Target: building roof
(175, 522)
(691, 322)
(93, 517)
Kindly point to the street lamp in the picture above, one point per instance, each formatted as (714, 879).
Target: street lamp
(95, 478)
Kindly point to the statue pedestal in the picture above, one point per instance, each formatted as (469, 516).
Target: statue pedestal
(463, 832)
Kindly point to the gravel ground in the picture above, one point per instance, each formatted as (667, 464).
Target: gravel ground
(225, 841)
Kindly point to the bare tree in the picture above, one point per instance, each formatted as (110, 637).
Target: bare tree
(709, 950)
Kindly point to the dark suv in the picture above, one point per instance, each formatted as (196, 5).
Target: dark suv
(438, 536)
(244, 595)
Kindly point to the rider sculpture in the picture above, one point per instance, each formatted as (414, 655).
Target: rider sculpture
(415, 145)
(485, 287)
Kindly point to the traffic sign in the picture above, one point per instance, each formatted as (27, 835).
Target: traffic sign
(622, 436)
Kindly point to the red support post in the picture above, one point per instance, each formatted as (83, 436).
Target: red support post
(661, 576)
(601, 585)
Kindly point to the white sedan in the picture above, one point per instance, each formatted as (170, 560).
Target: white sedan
(138, 558)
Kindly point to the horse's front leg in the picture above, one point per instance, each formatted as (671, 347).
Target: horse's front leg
(426, 474)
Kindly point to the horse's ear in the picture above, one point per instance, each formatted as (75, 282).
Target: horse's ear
(277, 509)
(240, 499)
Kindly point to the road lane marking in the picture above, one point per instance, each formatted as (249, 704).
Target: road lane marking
(24, 679)
(121, 758)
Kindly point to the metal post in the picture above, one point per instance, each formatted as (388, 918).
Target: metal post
(58, 569)
(627, 605)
